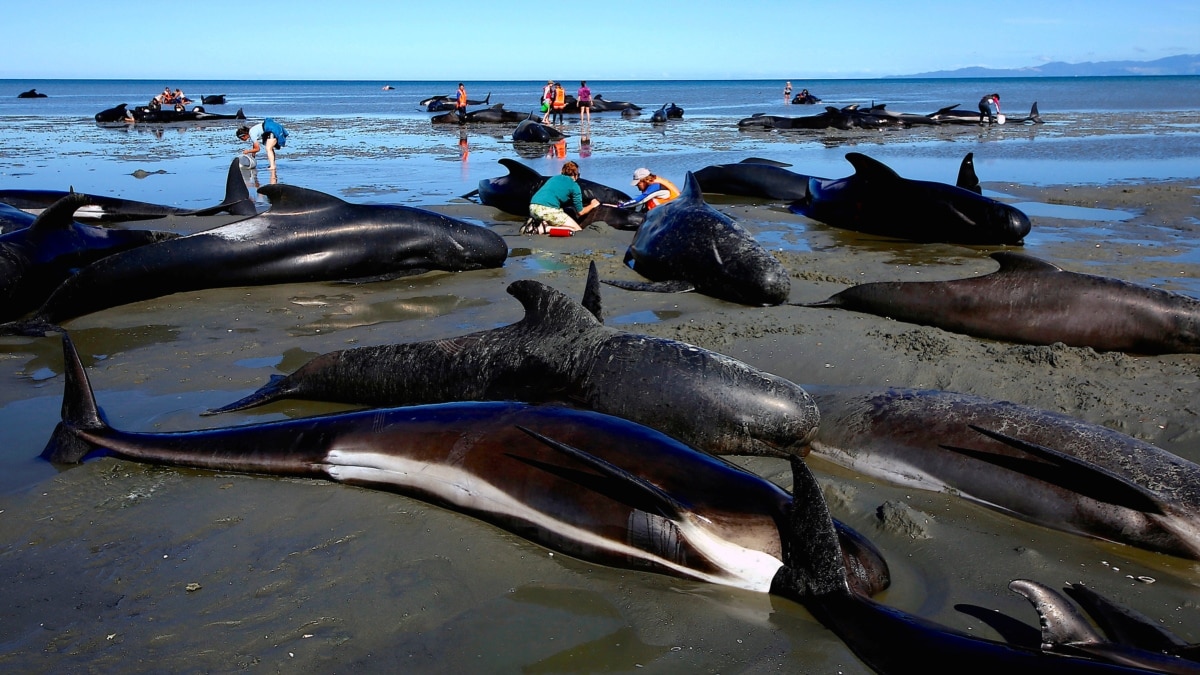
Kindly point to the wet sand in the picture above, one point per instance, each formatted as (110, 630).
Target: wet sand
(114, 565)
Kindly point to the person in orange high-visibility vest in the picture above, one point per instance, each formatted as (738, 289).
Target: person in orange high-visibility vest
(656, 190)
(558, 103)
(460, 102)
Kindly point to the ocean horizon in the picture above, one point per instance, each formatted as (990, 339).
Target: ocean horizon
(355, 139)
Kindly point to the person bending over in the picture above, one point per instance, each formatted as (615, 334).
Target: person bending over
(989, 107)
(656, 191)
(549, 203)
(269, 133)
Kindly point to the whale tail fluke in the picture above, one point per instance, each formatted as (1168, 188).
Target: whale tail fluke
(237, 200)
(79, 411)
(1034, 115)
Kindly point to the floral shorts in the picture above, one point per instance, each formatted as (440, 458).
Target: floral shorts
(556, 217)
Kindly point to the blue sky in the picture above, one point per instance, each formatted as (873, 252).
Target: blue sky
(600, 40)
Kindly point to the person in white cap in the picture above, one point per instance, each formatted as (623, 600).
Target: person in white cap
(655, 190)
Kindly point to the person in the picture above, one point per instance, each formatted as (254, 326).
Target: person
(787, 92)
(270, 133)
(558, 104)
(549, 203)
(655, 190)
(584, 97)
(989, 106)
(547, 95)
(180, 98)
(166, 97)
(460, 103)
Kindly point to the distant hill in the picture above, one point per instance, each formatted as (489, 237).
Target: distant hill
(1184, 64)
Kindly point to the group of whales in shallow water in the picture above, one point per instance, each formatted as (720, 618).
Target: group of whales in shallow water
(629, 453)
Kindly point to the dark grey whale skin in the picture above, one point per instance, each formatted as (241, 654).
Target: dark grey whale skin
(1031, 301)
(561, 352)
(306, 235)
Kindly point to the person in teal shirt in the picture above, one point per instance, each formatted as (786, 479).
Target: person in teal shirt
(549, 203)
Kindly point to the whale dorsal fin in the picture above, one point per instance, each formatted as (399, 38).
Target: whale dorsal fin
(545, 305)
(519, 170)
(591, 293)
(1062, 624)
(691, 192)
(871, 169)
(58, 216)
(237, 198)
(292, 199)
(1019, 262)
(967, 179)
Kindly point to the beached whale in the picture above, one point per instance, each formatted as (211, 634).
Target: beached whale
(561, 352)
(213, 99)
(877, 200)
(493, 115)
(888, 640)
(753, 178)
(237, 202)
(36, 259)
(601, 104)
(1041, 466)
(687, 245)
(594, 486)
(1032, 301)
(117, 113)
(32, 93)
(305, 236)
(444, 103)
(533, 131)
(511, 193)
(155, 115)
(952, 115)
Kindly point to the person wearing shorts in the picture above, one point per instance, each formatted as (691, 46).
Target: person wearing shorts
(550, 202)
(584, 98)
(269, 133)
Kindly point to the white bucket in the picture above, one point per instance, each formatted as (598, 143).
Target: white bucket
(1000, 119)
(247, 161)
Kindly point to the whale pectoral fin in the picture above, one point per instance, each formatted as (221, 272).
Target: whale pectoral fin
(270, 391)
(620, 484)
(674, 286)
(1065, 471)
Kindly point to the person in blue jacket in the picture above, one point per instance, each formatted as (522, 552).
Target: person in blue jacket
(269, 133)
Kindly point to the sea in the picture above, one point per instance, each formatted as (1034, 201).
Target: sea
(373, 141)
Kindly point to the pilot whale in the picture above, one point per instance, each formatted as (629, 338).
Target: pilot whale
(1044, 467)
(561, 352)
(1031, 301)
(35, 259)
(593, 486)
(305, 236)
(687, 245)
